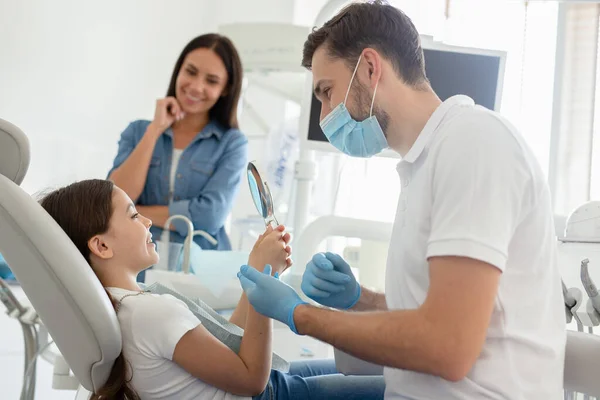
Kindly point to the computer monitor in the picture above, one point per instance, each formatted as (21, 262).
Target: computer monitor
(451, 70)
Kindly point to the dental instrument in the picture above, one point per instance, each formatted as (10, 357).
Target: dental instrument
(593, 303)
(573, 300)
(580, 238)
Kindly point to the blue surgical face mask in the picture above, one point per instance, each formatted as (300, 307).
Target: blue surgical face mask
(355, 138)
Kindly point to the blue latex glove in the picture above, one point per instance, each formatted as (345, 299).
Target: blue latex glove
(329, 281)
(269, 296)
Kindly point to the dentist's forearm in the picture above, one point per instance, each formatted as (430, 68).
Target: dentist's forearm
(370, 301)
(399, 339)
(131, 175)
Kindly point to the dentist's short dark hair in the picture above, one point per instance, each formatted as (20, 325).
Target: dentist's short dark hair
(373, 24)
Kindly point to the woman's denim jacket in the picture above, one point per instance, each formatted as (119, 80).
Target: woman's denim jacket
(207, 179)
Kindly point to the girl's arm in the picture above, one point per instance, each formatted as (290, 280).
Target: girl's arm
(239, 314)
(241, 311)
(246, 373)
(243, 374)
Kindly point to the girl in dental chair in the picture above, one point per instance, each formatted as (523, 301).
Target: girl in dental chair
(167, 352)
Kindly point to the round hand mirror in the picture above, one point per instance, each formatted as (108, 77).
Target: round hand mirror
(261, 195)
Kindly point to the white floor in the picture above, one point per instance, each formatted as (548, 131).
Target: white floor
(285, 343)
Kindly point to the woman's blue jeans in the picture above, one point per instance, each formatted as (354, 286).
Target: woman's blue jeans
(319, 380)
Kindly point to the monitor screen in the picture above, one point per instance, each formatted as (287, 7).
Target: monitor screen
(450, 73)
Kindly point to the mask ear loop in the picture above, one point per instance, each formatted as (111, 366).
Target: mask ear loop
(373, 100)
(352, 79)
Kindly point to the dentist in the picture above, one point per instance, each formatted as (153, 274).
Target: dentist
(473, 306)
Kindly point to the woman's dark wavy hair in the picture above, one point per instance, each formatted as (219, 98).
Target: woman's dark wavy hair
(225, 109)
(83, 210)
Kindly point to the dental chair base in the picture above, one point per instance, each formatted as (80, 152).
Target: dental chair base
(82, 394)
(28, 319)
(62, 378)
(36, 344)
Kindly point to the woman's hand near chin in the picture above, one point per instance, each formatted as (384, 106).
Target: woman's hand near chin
(272, 247)
(166, 113)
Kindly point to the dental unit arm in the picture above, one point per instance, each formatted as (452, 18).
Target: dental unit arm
(573, 300)
(593, 303)
(582, 235)
(570, 299)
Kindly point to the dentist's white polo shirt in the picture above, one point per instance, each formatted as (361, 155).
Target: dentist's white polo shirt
(471, 187)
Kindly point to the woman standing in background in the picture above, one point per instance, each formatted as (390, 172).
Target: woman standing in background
(189, 159)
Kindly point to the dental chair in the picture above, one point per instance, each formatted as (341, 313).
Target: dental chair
(58, 282)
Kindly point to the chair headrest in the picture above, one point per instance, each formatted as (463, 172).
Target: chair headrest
(59, 283)
(14, 152)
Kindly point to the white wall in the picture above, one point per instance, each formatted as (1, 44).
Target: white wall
(270, 107)
(74, 74)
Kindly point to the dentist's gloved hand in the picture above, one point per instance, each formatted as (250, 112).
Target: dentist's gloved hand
(269, 296)
(329, 281)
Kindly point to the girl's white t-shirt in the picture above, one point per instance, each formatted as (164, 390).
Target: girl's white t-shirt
(151, 327)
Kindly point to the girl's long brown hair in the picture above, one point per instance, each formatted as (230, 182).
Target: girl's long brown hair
(83, 210)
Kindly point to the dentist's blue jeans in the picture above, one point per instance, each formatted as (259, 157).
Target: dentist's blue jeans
(319, 380)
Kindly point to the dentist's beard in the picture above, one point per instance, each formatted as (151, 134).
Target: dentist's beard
(363, 101)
